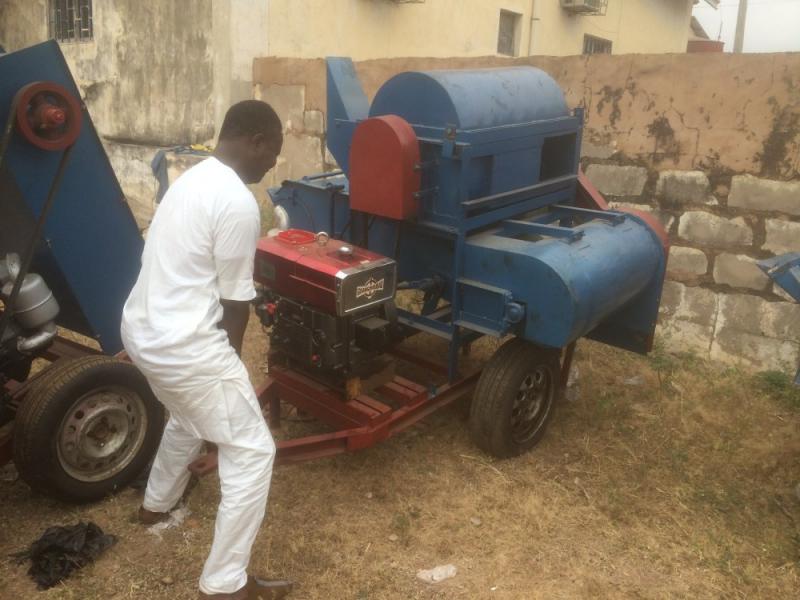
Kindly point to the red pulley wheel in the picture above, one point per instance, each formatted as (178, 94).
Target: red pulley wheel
(48, 115)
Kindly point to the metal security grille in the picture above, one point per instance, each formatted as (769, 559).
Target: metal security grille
(71, 20)
(596, 45)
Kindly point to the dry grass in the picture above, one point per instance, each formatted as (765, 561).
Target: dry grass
(678, 486)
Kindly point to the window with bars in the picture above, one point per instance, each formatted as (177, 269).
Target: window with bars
(508, 35)
(596, 45)
(71, 20)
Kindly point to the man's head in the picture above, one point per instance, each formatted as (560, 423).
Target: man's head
(250, 139)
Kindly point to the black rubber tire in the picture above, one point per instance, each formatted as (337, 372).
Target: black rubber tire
(42, 412)
(491, 422)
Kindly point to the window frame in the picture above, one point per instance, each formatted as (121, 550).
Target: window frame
(64, 27)
(596, 45)
(516, 30)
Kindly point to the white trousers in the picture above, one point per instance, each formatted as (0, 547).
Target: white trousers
(227, 413)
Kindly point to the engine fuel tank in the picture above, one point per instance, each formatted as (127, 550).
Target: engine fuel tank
(331, 275)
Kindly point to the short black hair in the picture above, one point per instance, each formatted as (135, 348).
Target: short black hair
(250, 117)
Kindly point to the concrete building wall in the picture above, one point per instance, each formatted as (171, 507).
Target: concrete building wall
(22, 23)
(710, 144)
(367, 29)
(146, 76)
(642, 26)
(239, 35)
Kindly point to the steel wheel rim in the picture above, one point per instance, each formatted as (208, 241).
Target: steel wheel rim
(101, 433)
(531, 404)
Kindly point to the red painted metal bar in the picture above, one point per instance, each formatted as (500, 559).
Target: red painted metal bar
(447, 394)
(64, 348)
(402, 394)
(317, 400)
(407, 356)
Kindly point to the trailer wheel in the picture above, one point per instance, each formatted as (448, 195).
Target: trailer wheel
(513, 400)
(86, 428)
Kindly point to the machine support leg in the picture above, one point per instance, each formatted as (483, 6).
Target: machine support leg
(566, 365)
(274, 411)
(452, 358)
(268, 398)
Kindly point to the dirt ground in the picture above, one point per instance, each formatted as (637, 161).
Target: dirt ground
(660, 477)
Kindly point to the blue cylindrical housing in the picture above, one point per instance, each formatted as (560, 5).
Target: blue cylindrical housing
(568, 287)
(473, 99)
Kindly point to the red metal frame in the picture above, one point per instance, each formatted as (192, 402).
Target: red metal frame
(358, 423)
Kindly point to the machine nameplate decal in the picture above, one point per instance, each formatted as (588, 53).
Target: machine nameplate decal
(366, 286)
(370, 288)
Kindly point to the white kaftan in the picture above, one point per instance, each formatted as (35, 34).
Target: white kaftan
(199, 250)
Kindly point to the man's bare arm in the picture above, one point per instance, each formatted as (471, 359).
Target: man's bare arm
(234, 321)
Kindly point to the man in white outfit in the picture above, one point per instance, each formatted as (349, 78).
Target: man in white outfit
(183, 326)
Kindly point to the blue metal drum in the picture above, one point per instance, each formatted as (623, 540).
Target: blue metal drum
(474, 99)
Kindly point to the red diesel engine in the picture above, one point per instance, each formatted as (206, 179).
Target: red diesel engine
(329, 304)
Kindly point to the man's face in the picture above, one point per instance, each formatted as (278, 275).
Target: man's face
(262, 154)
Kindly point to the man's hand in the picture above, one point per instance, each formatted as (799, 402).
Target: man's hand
(234, 321)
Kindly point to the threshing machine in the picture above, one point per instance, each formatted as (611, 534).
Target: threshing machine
(83, 423)
(464, 187)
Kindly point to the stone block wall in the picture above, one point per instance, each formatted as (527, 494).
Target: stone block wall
(717, 303)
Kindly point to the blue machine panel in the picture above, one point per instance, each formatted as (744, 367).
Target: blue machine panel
(90, 255)
(785, 271)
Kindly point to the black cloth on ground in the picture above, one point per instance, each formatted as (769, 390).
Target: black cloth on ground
(62, 550)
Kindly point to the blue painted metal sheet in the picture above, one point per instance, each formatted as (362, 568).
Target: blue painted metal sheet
(347, 104)
(785, 271)
(92, 248)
